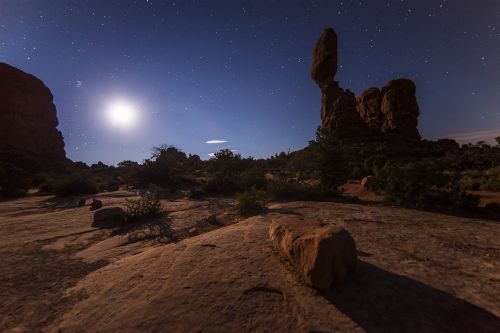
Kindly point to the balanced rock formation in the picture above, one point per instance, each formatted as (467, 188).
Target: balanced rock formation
(390, 112)
(28, 121)
(323, 255)
(338, 106)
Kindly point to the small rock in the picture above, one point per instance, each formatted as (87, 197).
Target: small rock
(367, 182)
(96, 204)
(493, 207)
(81, 202)
(323, 255)
(196, 193)
(212, 219)
(193, 232)
(108, 217)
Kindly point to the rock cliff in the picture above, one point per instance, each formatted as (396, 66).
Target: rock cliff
(28, 121)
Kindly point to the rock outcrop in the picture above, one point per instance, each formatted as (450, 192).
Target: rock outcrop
(108, 217)
(368, 105)
(28, 121)
(390, 112)
(399, 109)
(338, 106)
(323, 255)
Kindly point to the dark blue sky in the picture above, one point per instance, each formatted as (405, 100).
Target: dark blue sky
(238, 71)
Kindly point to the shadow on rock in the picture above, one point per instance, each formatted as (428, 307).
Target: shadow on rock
(159, 230)
(380, 301)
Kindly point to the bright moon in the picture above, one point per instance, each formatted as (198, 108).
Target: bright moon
(122, 114)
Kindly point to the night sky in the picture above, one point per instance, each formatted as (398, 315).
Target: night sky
(238, 71)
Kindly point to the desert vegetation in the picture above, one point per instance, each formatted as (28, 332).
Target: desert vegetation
(425, 174)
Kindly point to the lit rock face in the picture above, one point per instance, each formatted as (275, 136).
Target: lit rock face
(28, 121)
(390, 112)
(323, 255)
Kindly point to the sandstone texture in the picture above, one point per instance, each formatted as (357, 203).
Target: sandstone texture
(323, 255)
(415, 271)
(391, 112)
(28, 121)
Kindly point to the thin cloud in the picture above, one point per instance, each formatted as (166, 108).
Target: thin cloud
(473, 137)
(211, 154)
(212, 142)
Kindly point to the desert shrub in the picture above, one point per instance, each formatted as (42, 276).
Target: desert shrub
(164, 168)
(229, 173)
(251, 202)
(293, 190)
(14, 181)
(422, 184)
(72, 184)
(148, 205)
(331, 161)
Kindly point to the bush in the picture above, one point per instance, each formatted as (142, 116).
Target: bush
(148, 205)
(251, 202)
(422, 184)
(73, 184)
(232, 182)
(14, 181)
(331, 162)
(291, 189)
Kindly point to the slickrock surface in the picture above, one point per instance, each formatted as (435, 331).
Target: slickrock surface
(417, 271)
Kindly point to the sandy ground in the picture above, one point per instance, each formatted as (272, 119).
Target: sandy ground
(418, 271)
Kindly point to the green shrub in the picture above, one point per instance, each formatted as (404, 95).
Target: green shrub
(73, 184)
(422, 184)
(293, 190)
(331, 161)
(148, 205)
(236, 180)
(14, 181)
(251, 202)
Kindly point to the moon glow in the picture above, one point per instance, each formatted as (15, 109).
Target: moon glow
(122, 114)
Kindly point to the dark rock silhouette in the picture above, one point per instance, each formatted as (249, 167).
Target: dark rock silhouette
(390, 112)
(338, 106)
(368, 105)
(324, 58)
(400, 109)
(28, 121)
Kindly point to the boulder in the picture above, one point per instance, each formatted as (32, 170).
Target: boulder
(28, 120)
(96, 204)
(324, 58)
(367, 182)
(108, 217)
(399, 109)
(323, 255)
(368, 105)
(493, 207)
